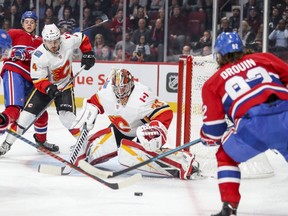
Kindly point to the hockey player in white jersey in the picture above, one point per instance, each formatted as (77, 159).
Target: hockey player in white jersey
(138, 130)
(51, 70)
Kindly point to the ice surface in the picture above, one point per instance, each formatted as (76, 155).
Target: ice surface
(25, 192)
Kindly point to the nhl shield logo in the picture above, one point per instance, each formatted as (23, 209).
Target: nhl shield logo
(172, 82)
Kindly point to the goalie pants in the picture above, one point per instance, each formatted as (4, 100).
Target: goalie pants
(263, 127)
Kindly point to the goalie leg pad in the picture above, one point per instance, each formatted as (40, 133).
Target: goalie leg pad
(178, 164)
(66, 118)
(102, 146)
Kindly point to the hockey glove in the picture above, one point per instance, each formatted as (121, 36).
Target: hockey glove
(52, 91)
(87, 114)
(152, 136)
(88, 59)
(21, 54)
(208, 141)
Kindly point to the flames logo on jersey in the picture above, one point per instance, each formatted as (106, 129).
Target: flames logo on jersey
(120, 123)
(61, 72)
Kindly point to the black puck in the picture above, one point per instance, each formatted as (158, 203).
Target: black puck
(138, 194)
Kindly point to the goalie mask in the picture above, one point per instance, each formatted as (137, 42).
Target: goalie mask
(122, 84)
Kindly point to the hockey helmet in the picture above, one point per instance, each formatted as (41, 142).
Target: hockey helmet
(5, 43)
(122, 83)
(50, 32)
(228, 42)
(29, 14)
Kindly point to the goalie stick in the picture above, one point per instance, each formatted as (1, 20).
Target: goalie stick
(115, 185)
(66, 170)
(106, 174)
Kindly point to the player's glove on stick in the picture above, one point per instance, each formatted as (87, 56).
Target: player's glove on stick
(208, 141)
(88, 59)
(152, 136)
(52, 91)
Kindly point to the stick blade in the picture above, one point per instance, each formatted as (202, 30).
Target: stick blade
(93, 170)
(54, 170)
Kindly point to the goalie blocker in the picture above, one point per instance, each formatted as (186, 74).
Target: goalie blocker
(102, 146)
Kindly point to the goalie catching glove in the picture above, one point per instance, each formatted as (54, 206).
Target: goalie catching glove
(88, 115)
(208, 141)
(152, 136)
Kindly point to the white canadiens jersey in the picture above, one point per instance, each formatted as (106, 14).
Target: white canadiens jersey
(57, 67)
(141, 107)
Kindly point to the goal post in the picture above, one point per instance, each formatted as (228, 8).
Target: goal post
(193, 71)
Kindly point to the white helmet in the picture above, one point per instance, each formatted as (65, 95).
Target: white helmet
(50, 32)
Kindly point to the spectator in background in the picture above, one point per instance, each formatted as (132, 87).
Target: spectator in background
(2, 15)
(22, 5)
(67, 22)
(206, 50)
(279, 35)
(98, 44)
(129, 45)
(118, 55)
(141, 14)
(117, 25)
(248, 35)
(254, 19)
(49, 18)
(157, 41)
(205, 40)
(42, 9)
(59, 9)
(107, 54)
(156, 4)
(141, 30)
(6, 25)
(274, 19)
(97, 9)
(103, 30)
(186, 50)
(177, 29)
(14, 17)
(224, 26)
(142, 50)
(234, 20)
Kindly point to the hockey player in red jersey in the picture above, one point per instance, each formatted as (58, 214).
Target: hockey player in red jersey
(51, 70)
(17, 82)
(251, 90)
(138, 129)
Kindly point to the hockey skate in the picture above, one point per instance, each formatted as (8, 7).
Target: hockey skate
(227, 210)
(51, 147)
(4, 148)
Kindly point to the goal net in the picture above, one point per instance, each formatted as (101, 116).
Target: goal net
(193, 71)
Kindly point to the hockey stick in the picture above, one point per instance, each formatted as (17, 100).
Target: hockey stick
(106, 174)
(115, 186)
(66, 170)
(51, 101)
(104, 19)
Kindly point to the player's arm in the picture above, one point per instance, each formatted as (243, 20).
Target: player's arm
(214, 122)
(83, 43)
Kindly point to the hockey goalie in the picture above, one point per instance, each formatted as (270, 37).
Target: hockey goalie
(138, 129)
